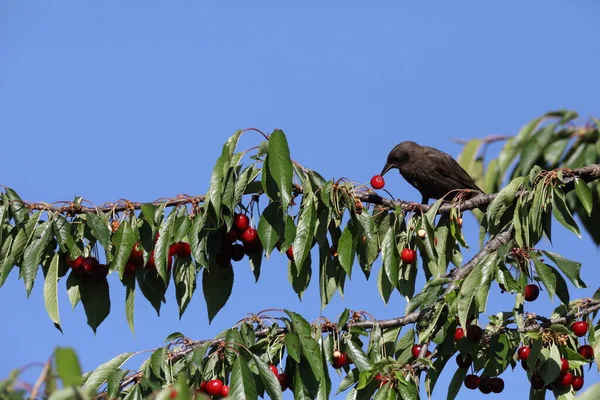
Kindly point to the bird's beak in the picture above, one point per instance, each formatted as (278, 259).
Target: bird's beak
(386, 168)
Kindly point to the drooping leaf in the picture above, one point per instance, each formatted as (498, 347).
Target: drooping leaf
(33, 254)
(98, 224)
(568, 267)
(96, 301)
(271, 383)
(280, 165)
(216, 285)
(584, 193)
(305, 232)
(51, 292)
(242, 385)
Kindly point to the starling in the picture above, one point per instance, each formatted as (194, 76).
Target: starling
(432, 172)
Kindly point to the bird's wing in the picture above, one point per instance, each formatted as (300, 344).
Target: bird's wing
(451, 169)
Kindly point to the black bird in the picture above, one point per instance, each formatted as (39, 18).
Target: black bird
(432, 172)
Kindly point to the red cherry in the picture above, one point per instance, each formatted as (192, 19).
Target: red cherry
(565, 379)
(377, 182)
(496, 384)
(100, 273)
(336, 354)
(232, 236)
(577, 383)
(564, 365)
(408, 256)
(241, 222)
(130, 268)
(136, 254)
(202, 387)
(579, 328)
(90, 264)
(151, 264)
(523, 352)
(172, 249)
(249, 236)
(340, 361)
(471, 381)
(484, 385)
(459, 333)
(537, 382)
(274, 370)
(76, 263)
(183, 250)
(416, 349)
(283, 381)
(586, 351)
(531, 292)
(474, 333)
(225, 391)
(173, 394)
(290, 253)
(237, 252)
(214, 387)
(464, 362)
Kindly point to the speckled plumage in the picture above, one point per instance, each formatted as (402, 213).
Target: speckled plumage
(431, 171)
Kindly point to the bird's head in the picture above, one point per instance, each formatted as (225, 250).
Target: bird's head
(399, 155)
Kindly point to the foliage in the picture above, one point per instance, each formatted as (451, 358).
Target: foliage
(547, 172)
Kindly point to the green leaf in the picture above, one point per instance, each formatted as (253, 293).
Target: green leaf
(305, 232)
(17, 206)
(161, 249)
(310, 347)
(389, 254)
(125, 239)
(561, 212)
(271, 383)
(67, 366)
(158, 360)
(216, 285)
(51, 292)
(104, 371)
(544, 272)
(456, 383)
(270, 226)
(32, 257)
(184, 275)
(358, 356)
(467, 292)
(503, 201)
(347, 248)
(129, 283)
(215, 190)
(384, 286)
(114, 383)
(585, 195)
(300, 276)
(280, 165)
(293, 346)
(242, 385)
(96, 301)
(568, 267)
(98, 224)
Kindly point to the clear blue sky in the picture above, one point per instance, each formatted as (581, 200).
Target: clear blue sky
(134, 99)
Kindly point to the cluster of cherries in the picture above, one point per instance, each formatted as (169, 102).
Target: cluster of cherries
(242, 231)
(216, 387)
(136, 259)
(88, 267)
(485, 384)
(566, 377)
